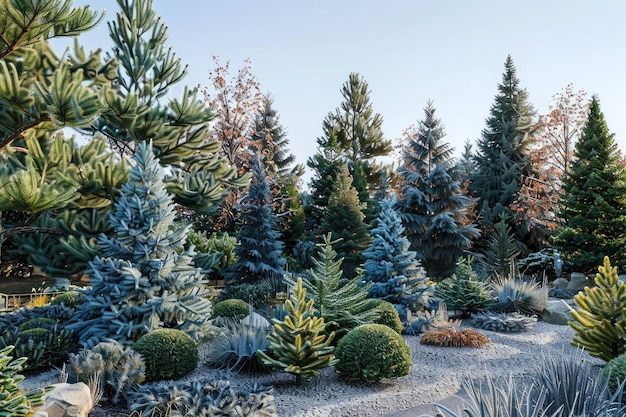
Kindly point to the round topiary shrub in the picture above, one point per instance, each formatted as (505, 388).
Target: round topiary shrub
(372, 352)
(69, 299)
(454, 338)
(232, 309)
(167, 354)
(615, 372)
(389, 316)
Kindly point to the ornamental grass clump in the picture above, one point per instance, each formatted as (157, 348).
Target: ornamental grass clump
(372, 352)
(454, 338)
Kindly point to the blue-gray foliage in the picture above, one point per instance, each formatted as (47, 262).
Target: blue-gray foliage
(143, 278)
(259, 254)
(396, 275)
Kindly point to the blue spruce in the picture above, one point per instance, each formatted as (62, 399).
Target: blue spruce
(396, 274)
(259, 253)
(143, 278)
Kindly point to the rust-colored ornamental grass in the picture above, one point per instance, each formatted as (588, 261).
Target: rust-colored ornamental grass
(454, 338)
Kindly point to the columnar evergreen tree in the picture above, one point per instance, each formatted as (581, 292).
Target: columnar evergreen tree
(593, 202)
(143, 278)
(344, 219)
(342, 305)
(431, 204)
(298, 343)
(502, 158)
(396, 275)
(259, 253)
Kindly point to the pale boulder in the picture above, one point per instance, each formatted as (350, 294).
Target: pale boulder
(67, 400)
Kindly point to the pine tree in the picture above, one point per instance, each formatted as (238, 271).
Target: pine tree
(179, 128)
(343, 305)
(396, 275)
(143, 278)
(502, 158)
(298, 343)
(259, 253)
(344, 219)
(593, 202)
(432, 206)
(353, 135)
(600, 320)
(52, 192)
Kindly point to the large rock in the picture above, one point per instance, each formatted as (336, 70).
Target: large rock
(577, 281)
(556, 312)
(67, 400)
(560, 283)
(256, 320)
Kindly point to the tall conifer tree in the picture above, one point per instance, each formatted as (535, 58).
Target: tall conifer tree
(344, 219)
(502, 158)
(259, 253)
(143, 278)
(432, 206)
(593, 202)
(352, 135)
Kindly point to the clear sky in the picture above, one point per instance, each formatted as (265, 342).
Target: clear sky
(409, 51)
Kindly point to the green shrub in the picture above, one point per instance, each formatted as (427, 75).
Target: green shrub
(110, 366)
(616, 370)
(464, 291)
(372, 352)
(38, 323)
(167, 354)
(69, 299)
(231, 309)
(14, 402)
(42, 347)
(250, 293)
(389, 316)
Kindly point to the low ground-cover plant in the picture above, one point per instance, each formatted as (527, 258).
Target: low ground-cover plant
(503, 322)
(372, 352)
(425, 320)
(38, 334)
(454, 338)
(167, 354)
(201, 398)
(108, 367)
(614, 373)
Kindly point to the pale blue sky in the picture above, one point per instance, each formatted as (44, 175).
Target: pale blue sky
(409, 51)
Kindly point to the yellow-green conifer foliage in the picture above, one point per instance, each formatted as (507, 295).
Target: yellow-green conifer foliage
(298, 343)
(600, 320)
